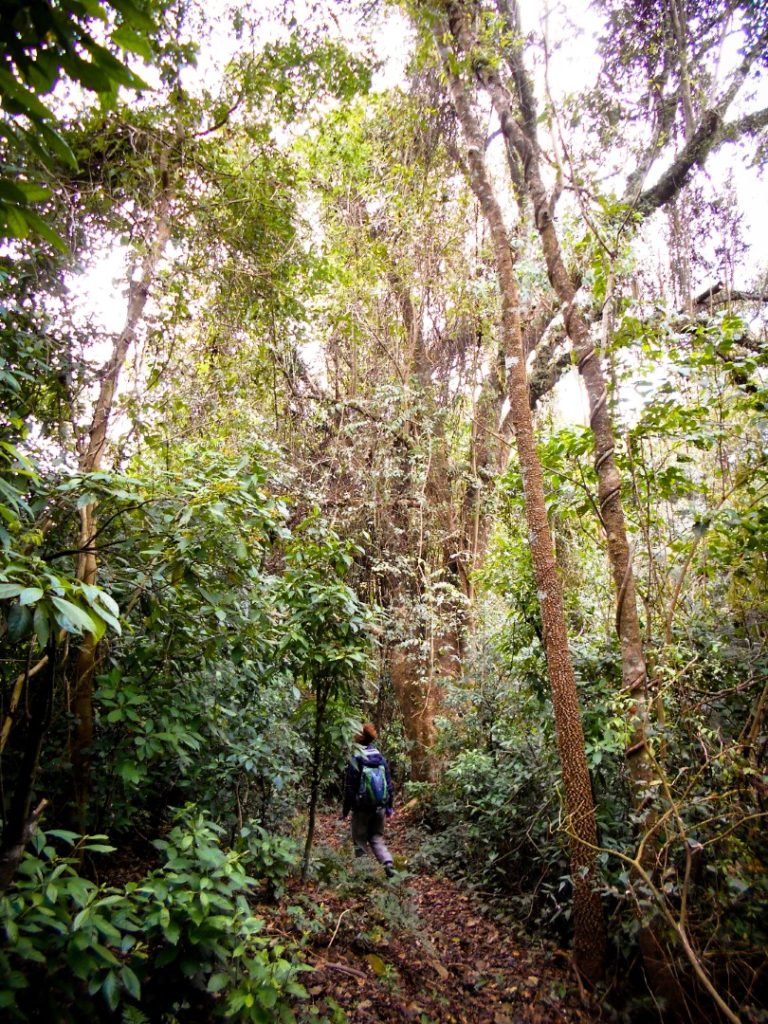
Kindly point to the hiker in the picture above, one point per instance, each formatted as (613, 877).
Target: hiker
(368, 794)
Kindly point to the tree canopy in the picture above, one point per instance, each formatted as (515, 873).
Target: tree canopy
(433, 397)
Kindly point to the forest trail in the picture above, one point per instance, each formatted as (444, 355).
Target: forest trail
(418, 948)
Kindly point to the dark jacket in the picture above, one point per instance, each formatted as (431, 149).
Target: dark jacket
(368, 756)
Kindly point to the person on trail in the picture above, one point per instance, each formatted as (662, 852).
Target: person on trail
(368, 794)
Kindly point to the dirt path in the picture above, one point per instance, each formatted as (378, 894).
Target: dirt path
(418, 948)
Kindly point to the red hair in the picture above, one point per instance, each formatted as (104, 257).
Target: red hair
(367, 735)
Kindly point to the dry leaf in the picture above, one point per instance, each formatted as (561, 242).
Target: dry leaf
(377, 964)
(414, 1010)
(444, 974)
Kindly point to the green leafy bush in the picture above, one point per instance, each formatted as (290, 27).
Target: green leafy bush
(183, 940)
(272, 858)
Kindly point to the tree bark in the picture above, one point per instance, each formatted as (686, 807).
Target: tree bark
(522, 139)
(321, 703)
(91, 460)
(418, 702)
(21, 820)
(589, 929)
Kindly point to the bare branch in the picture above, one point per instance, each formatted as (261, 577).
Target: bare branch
(711, 133)
(720, 295)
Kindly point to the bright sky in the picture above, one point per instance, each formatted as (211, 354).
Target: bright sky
(575, 67)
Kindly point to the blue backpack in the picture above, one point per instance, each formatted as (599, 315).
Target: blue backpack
(372, 792)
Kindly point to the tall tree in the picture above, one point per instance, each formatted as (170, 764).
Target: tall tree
(589, 929)
(488, 41)
(403, 344)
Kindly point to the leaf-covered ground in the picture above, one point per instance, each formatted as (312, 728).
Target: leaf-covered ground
(416, 947)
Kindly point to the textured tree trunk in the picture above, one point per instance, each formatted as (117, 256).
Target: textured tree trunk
(419, 703)
(589, 929)
(520, 138)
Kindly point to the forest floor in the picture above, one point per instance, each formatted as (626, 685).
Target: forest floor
(417, 947)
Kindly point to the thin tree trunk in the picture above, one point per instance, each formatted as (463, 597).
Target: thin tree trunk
(589, 929)
(642, 768)
(21, 819)
(321, 702)
(91, 459)
(521, 139)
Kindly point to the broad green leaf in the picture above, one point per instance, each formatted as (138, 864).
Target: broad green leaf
(134, 15)
(33, 192)
(81, 918)
(109, 602)
(56, 143)
(11, 193)
(19, 622)
(131, 982)
(42, 624)
(134, 42)
(110, 989)
(40, 227)
(87, 73)
(19, 100)
(16, 225)
(60, 833)
(74, 619)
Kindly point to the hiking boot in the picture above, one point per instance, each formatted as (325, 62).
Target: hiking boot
(389, 870)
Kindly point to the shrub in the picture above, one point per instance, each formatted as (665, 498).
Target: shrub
(183, 940)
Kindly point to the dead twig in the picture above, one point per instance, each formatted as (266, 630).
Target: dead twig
(338, 925)
(343, 968)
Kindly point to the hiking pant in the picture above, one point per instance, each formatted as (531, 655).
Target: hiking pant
(368, 827)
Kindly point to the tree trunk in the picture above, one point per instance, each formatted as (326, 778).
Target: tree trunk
(433, 651)
(21, 820)
(91, 459)
(418, 699)
(520, 139)
(321, 702)
(589, 929)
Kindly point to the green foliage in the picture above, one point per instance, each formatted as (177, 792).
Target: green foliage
(323, 621)
(271, 858)
(42, 43)
(497, 805)
(41, 603)
(41, 917)
(192, 543)
(180, 940)
(694, 486)
(197, 910)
